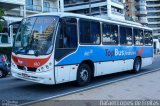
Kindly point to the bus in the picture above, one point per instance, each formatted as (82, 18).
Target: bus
(53, 48)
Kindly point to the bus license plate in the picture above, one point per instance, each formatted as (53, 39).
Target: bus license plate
(24, 75)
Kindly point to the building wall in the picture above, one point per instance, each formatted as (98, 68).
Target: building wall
(100, 8)
(136, 10)
(39, 7)
(153, 8)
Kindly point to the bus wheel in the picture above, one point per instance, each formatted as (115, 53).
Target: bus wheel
(136, 65)
(83, 75)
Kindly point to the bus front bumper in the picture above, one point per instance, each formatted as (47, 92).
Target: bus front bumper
(43, 77)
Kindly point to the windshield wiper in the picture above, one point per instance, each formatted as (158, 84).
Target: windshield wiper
(21, 50)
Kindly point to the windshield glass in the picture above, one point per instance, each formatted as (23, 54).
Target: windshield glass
(35, 35)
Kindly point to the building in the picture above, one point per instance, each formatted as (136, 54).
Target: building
(100, 8)
(136, 11)
(8, 5)
(153, 9)
(41, 6)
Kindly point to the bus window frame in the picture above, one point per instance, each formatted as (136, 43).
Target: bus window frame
(125, 26)
(137, 28)
(90, 20)
(108, 23)
(150, 36)
(60, 25)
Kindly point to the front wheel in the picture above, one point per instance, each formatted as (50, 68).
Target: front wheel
(136, 65)
(83, 75)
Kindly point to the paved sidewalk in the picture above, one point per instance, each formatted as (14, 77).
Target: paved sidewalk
(156, 55)
(145, 87)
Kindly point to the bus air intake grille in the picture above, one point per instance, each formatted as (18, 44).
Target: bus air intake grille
(20, 67)
(28, 68)
(31, 69)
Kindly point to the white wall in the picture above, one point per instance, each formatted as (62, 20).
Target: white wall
(20, 2)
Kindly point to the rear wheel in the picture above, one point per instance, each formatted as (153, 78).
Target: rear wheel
(136, 65)
(83, 75)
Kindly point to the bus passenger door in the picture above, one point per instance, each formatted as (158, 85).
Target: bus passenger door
(66, 43)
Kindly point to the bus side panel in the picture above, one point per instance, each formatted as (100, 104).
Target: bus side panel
(105, 54)
(62, 73)
(147, 61)
(66, 73)
(112, 58)
(113, 66)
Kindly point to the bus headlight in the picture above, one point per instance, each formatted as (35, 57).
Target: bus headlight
(45, 68)
(42, 68)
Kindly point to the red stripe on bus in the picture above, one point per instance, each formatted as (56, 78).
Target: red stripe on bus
(29, 62)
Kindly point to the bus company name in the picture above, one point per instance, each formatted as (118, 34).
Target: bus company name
(117, 52)
(22, 62)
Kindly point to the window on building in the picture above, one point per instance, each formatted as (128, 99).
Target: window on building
(46, 6)
(125, 35)
(110, 34)
(89, 32)
(103, 9)
(29, 2)
(116, 10)
(148, 38)
(68, 33)
(138, 37)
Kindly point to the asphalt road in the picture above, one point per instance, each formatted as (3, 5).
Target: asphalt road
(13, 89)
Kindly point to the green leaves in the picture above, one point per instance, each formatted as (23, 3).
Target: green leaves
(1, 19)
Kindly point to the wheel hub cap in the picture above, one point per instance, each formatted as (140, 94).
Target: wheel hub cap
(84, 74)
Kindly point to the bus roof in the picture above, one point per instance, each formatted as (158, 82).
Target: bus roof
(109, 20)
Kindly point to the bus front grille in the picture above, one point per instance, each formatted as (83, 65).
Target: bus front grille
(28, 68)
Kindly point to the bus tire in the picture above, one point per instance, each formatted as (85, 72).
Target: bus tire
(136, 65)
(83, 75)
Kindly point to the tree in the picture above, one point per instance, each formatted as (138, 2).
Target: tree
(1, 19)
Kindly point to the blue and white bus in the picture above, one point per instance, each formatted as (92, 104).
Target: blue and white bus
(53, 48)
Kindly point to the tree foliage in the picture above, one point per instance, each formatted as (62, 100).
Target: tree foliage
(1, 19)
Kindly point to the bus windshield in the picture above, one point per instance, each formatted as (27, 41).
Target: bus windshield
(35, 35)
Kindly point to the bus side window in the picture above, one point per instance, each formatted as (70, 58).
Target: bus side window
(68, 33)
(89, 32)
(148, 38)
(138, 37)
(114, 34)
(135, 36)
(84, 31)
(129, 36)
(95, 32)
(141, 37)
(110, 34)
(66, 41)
(123, 36)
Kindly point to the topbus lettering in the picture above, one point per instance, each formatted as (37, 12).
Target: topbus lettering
(117, 52)
(110, 53)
